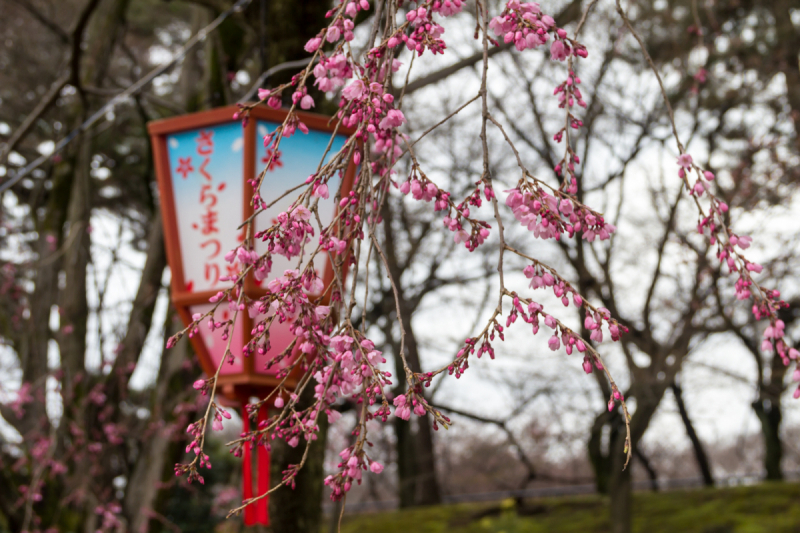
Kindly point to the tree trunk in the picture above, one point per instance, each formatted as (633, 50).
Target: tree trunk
(620, 481)
(74, 307)
(299, 510)
(406, 463)
(160, 452)
(789, 47)
(648, 466)
(598, 457)
(620, 487)
(417, 471)
(428, 492)
(768, 410)
(770, 415)
(417, 483)
(699, 450)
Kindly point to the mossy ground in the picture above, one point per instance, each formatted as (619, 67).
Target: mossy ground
(765, 508)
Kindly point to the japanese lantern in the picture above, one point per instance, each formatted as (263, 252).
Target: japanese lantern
(203, 164)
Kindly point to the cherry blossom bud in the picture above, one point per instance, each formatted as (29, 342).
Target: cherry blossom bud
(322, 191)
(376, 467)
(554, 343)
(333, 34)
(312, 45)
(307, 102)
(558, 50)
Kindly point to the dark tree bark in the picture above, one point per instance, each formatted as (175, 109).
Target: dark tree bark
(788, 42)
(165, 447)
(620, 487)
(299, 510)
(406, 463)
(652, 475)
(769, 415)
(74, 308)
(697, 446)
(768, 410)
(620, 479)
(417, 481)
(767, 406)
(598, 456)
(416, 465)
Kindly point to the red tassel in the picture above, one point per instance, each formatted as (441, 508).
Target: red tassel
(262, 509)
(247, 473)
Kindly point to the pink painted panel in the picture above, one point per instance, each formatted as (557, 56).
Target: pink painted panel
(214, 342)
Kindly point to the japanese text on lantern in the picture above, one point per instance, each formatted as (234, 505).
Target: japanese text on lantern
(207, 192)
(208, 225)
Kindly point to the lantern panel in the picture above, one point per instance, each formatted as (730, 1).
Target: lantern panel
(298, 157)
(206, 173)
(215, 344)
(280, 336)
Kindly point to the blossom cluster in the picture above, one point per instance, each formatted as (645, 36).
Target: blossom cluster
(730, 246)
(524, 24)
(548, 216)
(343, 363)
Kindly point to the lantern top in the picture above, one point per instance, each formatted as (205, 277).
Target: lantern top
(225, 114)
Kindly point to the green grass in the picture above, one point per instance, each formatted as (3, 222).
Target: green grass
(766, 508)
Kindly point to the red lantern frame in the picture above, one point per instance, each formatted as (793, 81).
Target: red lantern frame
(233, 386)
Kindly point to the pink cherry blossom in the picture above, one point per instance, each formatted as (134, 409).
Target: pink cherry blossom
(685, 161)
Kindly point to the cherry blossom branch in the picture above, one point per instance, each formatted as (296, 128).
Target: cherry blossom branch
(713, 225)
(339, 357)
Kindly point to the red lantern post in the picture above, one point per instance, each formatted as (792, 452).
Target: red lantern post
(203, 164)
